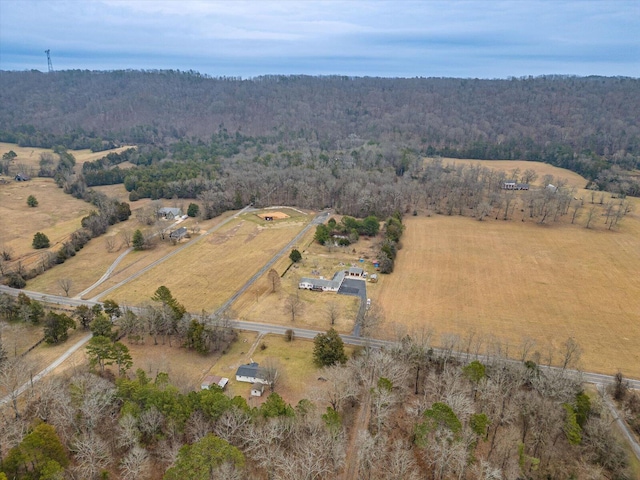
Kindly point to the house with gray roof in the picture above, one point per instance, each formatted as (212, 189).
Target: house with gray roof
(251, 373)
(178, 234)
(325, 285)
(169, 213)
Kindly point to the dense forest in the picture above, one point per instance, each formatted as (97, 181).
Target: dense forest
(588, 125)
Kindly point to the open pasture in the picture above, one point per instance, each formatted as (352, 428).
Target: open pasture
(515, 168)
(57, 215)
(29, 157)
(512, 280)
(207, 273)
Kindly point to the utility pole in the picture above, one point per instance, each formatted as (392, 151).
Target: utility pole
(49, 64)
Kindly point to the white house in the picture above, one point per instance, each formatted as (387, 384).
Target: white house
(332, 285)
(513, 185)
(251, 373)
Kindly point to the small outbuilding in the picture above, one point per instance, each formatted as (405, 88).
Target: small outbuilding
(214, 380)
(21, 177)
(257, 389)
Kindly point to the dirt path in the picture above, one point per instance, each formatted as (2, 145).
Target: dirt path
(169, 255)
(360, 424)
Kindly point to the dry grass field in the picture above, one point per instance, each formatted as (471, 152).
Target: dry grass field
(512, 280)
(57, 215)
(29, 157)
(210, 271)
(510, 167)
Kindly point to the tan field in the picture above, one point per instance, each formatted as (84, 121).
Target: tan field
(30, 156)
(512, 167)
(512, 280)
(57, 215)
(206, 274)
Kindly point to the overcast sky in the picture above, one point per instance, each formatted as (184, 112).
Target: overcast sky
(483, 39)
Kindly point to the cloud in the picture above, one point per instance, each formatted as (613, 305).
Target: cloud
(462, 38)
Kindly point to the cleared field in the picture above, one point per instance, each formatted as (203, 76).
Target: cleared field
(511, 280)
(510, 167)
(30, 156)
(57, 214)
(207, 273)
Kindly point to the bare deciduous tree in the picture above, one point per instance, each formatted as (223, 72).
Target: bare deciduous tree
(373, 316)
(65, 284)
(110, 243)
(91, 453)
(333, 312)
(293, 307)
(127, 237)
(135, 465)
(571, 353)
(272, 372)
(274, 280)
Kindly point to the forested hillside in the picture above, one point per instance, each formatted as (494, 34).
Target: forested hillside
(553, 118)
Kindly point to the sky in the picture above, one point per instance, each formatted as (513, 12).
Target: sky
(470, 39)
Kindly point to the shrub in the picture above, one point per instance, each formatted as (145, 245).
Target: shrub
(295, 256)
(40, 240)
(31, 201)
(193, 210)
(16, 281)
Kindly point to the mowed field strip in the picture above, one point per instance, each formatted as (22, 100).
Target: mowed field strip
(512, 280)
(206, 274)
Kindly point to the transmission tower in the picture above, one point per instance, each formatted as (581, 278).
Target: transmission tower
(49, 64)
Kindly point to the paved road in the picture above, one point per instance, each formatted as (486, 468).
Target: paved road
(589, 377)
(262, 328)
(357, 288)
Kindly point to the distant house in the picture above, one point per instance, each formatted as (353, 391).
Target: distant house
(21, 177)
(552, 188)
(513, 185)
(257, 389)
(169, 213)
(251, 373)
(214, 380)
(178, 234)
